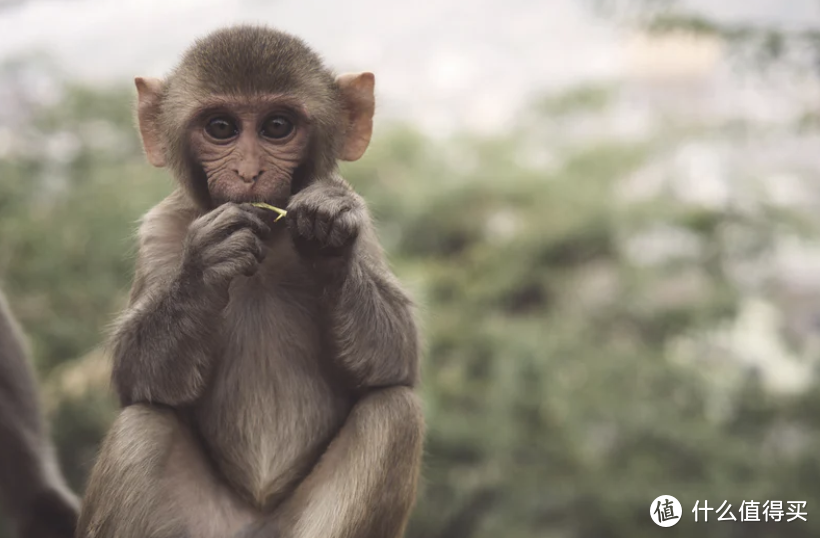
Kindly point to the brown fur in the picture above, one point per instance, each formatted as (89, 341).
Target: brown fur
(268, 369)
(32, 489)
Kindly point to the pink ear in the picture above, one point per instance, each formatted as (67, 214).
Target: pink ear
(360, 104)
(149, 95)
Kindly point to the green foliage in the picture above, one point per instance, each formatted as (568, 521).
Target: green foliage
(64, 234)
(583, 99)
(561, 380)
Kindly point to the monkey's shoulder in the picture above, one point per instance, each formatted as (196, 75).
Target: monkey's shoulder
(168, 220)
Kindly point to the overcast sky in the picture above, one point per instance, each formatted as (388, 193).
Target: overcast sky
(442, 62)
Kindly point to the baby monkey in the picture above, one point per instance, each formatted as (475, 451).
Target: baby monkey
(267, 370)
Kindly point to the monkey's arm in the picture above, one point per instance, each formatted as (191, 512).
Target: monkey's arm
(160, 343)
(32, 489)
(371, 318)
(163, 344)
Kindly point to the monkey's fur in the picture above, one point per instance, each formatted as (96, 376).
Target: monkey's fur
(32, 489)
(267, 371)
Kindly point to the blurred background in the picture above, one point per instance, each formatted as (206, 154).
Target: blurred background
(608, 211)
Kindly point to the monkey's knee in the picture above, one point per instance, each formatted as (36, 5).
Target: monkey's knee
(397, 413)
(390, 437)
(140, 435)
(122, 497)
(152, 480)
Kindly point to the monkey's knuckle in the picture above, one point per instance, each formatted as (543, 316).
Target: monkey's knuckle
(304, 227)
(215, 255)
(197, 231)
(196, 226)
(297, 203)
(256, 221)
(233, 211)
(247, 258)
(246, 264)
(216, 275)
(249, 215)
(346, 226)
(302, 211)
(325, 213)
(336, 240)
(244, 239)
(322, 221)
(350, 223)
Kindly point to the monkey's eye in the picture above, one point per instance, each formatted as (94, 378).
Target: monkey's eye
(221, 128)
(277, 127)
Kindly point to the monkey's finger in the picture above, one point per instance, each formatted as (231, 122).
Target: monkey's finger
(259, 250)
(212, 215)
(329, 210)
(249, 265)
(304, 221)
(322, 224)
(224, 223)
(241, 242)
(345, 228)
(251, 219)
(244, 264)
(238, 218)
(201, 230)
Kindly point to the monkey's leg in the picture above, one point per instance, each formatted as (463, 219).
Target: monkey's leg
(152, 480)
(364, 486)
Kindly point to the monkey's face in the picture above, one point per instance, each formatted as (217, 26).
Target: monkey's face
(249, 148)
(246, 110)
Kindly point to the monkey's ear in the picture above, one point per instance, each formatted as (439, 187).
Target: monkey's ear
(149, 92)
(360, 103)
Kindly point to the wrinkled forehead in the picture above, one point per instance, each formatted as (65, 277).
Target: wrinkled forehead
(262, 103)
(187, 97)
(263, 78)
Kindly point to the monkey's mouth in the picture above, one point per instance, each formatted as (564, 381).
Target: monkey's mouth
(265, 190)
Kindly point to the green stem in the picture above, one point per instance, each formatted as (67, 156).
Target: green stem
(263, 205)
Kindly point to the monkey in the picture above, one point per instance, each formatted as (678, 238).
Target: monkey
(33, 490)
(267, 370)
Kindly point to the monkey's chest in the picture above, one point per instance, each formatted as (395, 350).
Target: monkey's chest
(272, 405)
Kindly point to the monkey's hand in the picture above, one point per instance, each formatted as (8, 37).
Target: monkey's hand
(325, 220)
(223, 244)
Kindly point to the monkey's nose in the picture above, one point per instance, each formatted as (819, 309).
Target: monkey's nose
(247, 177)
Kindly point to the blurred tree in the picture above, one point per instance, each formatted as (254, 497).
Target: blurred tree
(577, 365)
(73, 186)
(757, 43)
